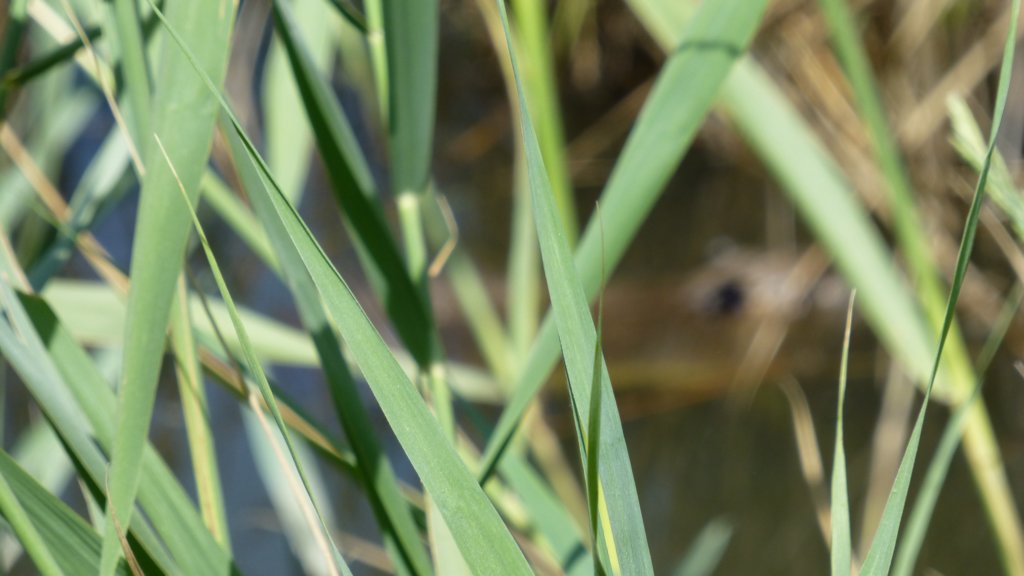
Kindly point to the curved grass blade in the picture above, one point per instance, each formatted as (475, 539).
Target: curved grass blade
(663, 132)
(938, 468)
(256, 368)
(622, 525)
(184, 113)
(484, 541)
(883, 545)
(841, 549)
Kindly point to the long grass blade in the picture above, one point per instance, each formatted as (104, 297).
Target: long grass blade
(483, 540)
(78, 402)
(199, 432)
(354, 189)
(622, 525)
(411, 38)
(71, 544)
(663, 132)
(938, 467)
(373, 469)
(883, 545)
(541, 87)
(275, 480)
(841, 549)
(23, 523)
(184, 117)
(126, 26)
(288, 139)
(256, 368)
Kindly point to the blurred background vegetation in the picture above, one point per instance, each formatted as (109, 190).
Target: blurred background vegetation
(723, 322)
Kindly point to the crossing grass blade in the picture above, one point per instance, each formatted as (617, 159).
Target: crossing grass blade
(468, 285)
(622, 526)
(593, 444)
(841, 549)
(883, 545)
(94, 314)
(23, 524)
(78, 402)
(717, 38)
(355, 192)
(256, 368)
(288, 139)
(533, 39)
(275, 481)
(826, 202)
(57, 540)
(483, 540)
(557, 528)
(184, 114)
(931, 486)
(373, 470)
(239, 218)
(198, 428)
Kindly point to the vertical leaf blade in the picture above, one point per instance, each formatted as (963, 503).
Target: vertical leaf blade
(625, 538)
(184, 116)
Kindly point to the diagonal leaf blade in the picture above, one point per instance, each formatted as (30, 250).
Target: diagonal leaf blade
(719, 35)
(622, 524)
(483, 539)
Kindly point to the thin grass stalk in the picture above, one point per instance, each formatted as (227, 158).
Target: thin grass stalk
(909, 230)
(938, 467)
(879, 558)
(197, 423)
(624, 538)
(470, 515)
(841, 547)
(643, 169)
(532, 33)
(323, 534)
(125, 23)
(467, 282)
